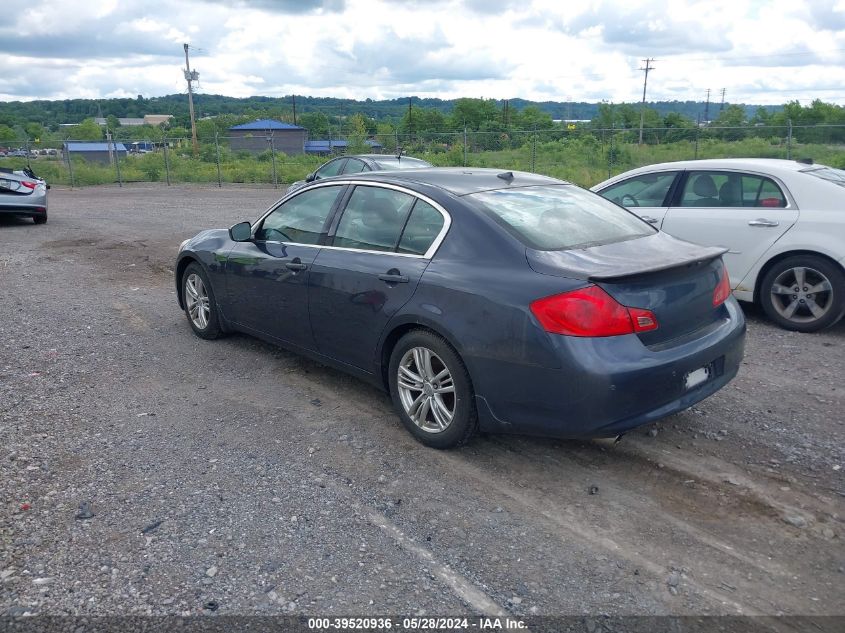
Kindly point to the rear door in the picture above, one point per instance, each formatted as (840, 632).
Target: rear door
(369, 269)
(647, 195)
(743, 212)
(267, 277)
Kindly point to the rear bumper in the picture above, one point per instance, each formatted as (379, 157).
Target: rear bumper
(606, 386)
(24, 205)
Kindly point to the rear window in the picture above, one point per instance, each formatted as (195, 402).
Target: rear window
(552, 218)
(836, 176)
(392, 164)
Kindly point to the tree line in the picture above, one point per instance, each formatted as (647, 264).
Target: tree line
(493, 124)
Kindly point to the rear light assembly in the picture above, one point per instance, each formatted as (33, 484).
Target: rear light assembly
(29, 184)
(723, 288)
(590, 311)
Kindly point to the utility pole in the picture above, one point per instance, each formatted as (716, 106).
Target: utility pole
(722, 105)
(647, 68)
(707, 108)
(410, 119)
(191, 77)
(293, 98)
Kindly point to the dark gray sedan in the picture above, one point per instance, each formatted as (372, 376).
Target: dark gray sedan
(23, 193)
(359, 163)
(480, 299)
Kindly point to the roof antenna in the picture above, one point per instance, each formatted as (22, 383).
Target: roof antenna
(505, 175)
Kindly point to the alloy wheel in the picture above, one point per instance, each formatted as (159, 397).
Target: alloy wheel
(426, 389)
(196, 298)
(802, 294)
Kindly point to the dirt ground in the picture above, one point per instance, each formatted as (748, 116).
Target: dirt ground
(237, 477)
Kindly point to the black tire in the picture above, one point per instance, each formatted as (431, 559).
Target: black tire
(830, 303)
(460, 402)
(209, 327)
(40, 219)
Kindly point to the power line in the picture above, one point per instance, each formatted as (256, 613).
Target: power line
(763, 56)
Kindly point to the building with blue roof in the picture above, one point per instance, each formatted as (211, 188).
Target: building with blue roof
(98, 152)
(333, 146)
(264, 134)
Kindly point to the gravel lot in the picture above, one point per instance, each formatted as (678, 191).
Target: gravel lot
(235, 476)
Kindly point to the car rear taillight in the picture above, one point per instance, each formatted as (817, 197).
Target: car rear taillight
(723, 289)
(29, 184)
(590, 311)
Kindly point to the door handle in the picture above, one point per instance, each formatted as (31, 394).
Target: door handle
(394, 278)
(649, 219)
(763, 222)
(295, 265)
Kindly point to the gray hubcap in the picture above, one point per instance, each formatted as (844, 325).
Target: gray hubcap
(802, 294)
(426, 390)
(196, 298)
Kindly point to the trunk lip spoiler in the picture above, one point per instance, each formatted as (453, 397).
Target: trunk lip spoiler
(700, 259)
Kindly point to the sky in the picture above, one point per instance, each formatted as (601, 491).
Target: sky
(758, 51)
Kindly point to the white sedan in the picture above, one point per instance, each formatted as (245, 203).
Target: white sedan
(782, 221)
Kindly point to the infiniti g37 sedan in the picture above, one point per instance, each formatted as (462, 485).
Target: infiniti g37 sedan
(480, 300)
(782, 221)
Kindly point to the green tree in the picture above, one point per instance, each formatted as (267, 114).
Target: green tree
(471, 113)
(357, 135)
(88, 130)
(732, 118)
(531, 117)
(7, 134)
(316, 123)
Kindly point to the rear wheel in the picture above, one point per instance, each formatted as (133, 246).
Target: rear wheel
(200, 306)
(40, 219)
(432, 391)
(805, 293)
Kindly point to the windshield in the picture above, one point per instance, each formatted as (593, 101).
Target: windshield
(836, 176)
(560, 217)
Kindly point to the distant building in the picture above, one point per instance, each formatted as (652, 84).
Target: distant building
(157, 119)
(254, 137)
(95, 152)
(148, 119)
(336, 147)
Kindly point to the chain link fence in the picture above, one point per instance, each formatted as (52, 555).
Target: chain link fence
(581, 154)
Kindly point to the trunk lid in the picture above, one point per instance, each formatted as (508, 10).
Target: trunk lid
(672, 278)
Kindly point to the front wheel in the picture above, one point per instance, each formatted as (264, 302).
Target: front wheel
(200, 307)
(805, 293)
(432, 391)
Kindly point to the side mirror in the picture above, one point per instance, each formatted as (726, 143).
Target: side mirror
(240, 232)
(311, 177)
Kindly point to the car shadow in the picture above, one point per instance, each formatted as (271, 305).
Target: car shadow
(14, 221)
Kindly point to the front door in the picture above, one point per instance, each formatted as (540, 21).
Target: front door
(644, 194)
(267, 277)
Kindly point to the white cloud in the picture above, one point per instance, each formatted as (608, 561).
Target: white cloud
(763, 51)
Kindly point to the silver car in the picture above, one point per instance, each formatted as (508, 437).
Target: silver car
(23, 193)
(358, 163)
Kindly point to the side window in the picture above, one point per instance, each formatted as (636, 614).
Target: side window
(730, 189)
(354, 166)
(331, 168)
(702, 189)
(645, 190)
(301, 219)
(758, 191)
(422, 229)
(373, 219)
